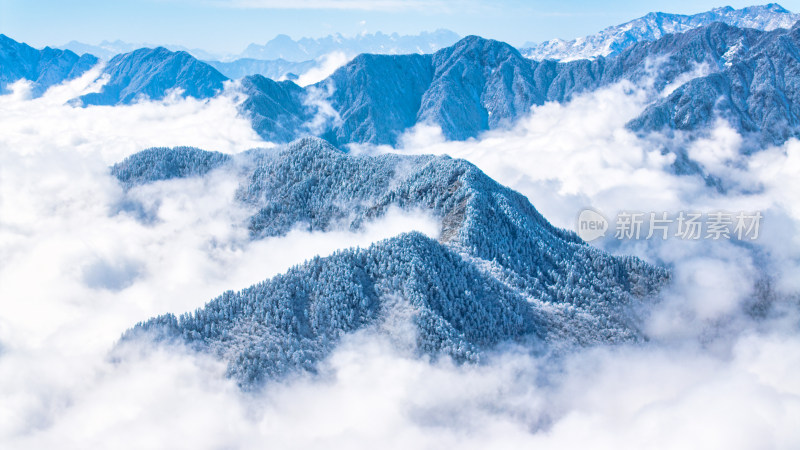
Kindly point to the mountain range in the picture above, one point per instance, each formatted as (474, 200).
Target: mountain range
(43, 68)
(754, 86)
(275, 69)
(284, 47)
(106, 50)
(282, 57)
(613, 40)
(498, 272)
(743, 75)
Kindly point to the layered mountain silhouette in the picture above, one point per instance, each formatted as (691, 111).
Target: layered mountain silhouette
(745, 76)
(755, 86)
(106, 50)
(44, 68)
(498, 273)
(284, 47)
(275, 69)
(614, 40)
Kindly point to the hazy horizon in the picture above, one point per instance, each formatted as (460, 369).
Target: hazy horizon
(238, 23)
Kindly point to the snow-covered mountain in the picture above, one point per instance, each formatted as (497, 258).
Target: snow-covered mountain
(749, 78)
(284, 47)
(44, 68)
(753, 82)
(479, 84)
(151, 73)
(499, 272)
(283, 57)
(615, 39)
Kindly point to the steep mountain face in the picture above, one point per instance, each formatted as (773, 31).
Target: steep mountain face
(150, 73)
(653, 26)
(477, 85)
(498, 273)
(376, 97)
(44, 68)
(275, 69)
(277, 109)
(756, 88)
(284, 47)
(743, 75)
(473, 86)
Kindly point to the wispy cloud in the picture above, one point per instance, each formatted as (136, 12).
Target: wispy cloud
(362, 5)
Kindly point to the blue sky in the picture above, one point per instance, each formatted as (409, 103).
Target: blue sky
(229, 25)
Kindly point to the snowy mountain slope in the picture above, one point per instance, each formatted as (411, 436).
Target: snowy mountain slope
(277, 108)
(284, 47)
(167, 163)
(653, 26)
(478, 84)
(151, 73)
(746, 76)
(499, 272)
(44, 68)
(473, 86)
(755, 87)
(376, 97)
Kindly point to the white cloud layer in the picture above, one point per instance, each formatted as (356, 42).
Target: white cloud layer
(363, 5)
(326, 65)
(75, 275)
(78, 271)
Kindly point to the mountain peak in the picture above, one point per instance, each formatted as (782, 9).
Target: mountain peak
(475, 41)
(313, 146)
(489, 51)
(774, 7)
(132, 77)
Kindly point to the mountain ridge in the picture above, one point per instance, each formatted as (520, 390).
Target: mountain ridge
(742, 75)
(44, 68)
(615, 39)
(284, 47)
(151, 73)
(499, 272)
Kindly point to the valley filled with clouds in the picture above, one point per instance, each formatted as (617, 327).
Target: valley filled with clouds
(80, 267)
(386, 250)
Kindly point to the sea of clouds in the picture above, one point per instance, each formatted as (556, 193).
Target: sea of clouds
(719, 369)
